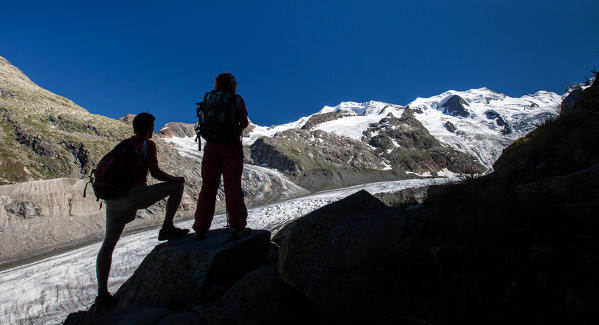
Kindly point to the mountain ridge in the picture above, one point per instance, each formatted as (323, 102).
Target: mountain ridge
(479, 123)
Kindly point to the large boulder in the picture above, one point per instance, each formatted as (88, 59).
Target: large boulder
(259, 298)
(165, 279)
(327, 254)
(179, 278)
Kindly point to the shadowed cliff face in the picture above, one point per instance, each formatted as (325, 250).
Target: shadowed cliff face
(558, 147)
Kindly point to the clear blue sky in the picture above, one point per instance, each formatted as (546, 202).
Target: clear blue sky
(291, 58)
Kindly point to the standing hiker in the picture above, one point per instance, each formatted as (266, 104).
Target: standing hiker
(222, 116)
(130, 161)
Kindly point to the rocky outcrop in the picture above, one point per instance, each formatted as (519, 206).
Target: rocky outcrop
(456, 106)
(214, 281)
(450, 127)
(388, 149)
(318, 160)
(350, 229)
(493, 115)
(300, 150)
(408, 198)
(407, 145)
(177, 129)
(321, 118)
(216, 260)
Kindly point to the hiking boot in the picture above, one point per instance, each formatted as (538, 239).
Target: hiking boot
(237, 233)
(172, 232)
(105, 300)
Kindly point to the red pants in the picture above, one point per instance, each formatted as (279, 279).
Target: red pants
(226, 160)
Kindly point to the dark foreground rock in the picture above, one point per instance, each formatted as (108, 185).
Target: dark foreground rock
(260, 298)
(327, 254)
(182, 271)
(213, 281)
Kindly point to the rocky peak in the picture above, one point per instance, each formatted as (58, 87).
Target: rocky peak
(500, 121)
(456, 106)
(321, 118)
(408, 145)
(177, 129)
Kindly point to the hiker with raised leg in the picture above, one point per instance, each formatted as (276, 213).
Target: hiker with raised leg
(121, 180)
(222, 116)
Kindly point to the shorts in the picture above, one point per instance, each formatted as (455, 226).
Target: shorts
(123, 209)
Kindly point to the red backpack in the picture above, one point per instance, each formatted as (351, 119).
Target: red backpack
(111, 178)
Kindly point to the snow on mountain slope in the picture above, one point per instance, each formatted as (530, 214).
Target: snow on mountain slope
(186, 146)
(493, 120)
(269, 131)
(354, 108)
(358, 117)
(479, 122)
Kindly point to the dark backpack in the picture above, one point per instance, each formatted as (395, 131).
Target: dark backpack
(218, 117)
(111, 178)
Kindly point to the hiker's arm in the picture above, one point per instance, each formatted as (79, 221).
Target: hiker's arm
(242, 116)
(243, 121)
(160, 175)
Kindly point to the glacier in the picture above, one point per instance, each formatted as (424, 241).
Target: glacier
(46, 291)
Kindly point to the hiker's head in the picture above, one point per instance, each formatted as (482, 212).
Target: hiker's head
(225, 82)
(143, 124)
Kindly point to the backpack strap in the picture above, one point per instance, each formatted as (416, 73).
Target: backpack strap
(90, 181)
(143, 153)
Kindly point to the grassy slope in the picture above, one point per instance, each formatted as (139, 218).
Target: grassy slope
(42, 133)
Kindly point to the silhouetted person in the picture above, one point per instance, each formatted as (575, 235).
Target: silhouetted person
(223, 155)
(141, 158)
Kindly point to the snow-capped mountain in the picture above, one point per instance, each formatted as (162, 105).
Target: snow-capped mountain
(481, 122)
(429, 136)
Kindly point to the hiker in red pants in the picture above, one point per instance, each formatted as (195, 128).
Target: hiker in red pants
(222, 116)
